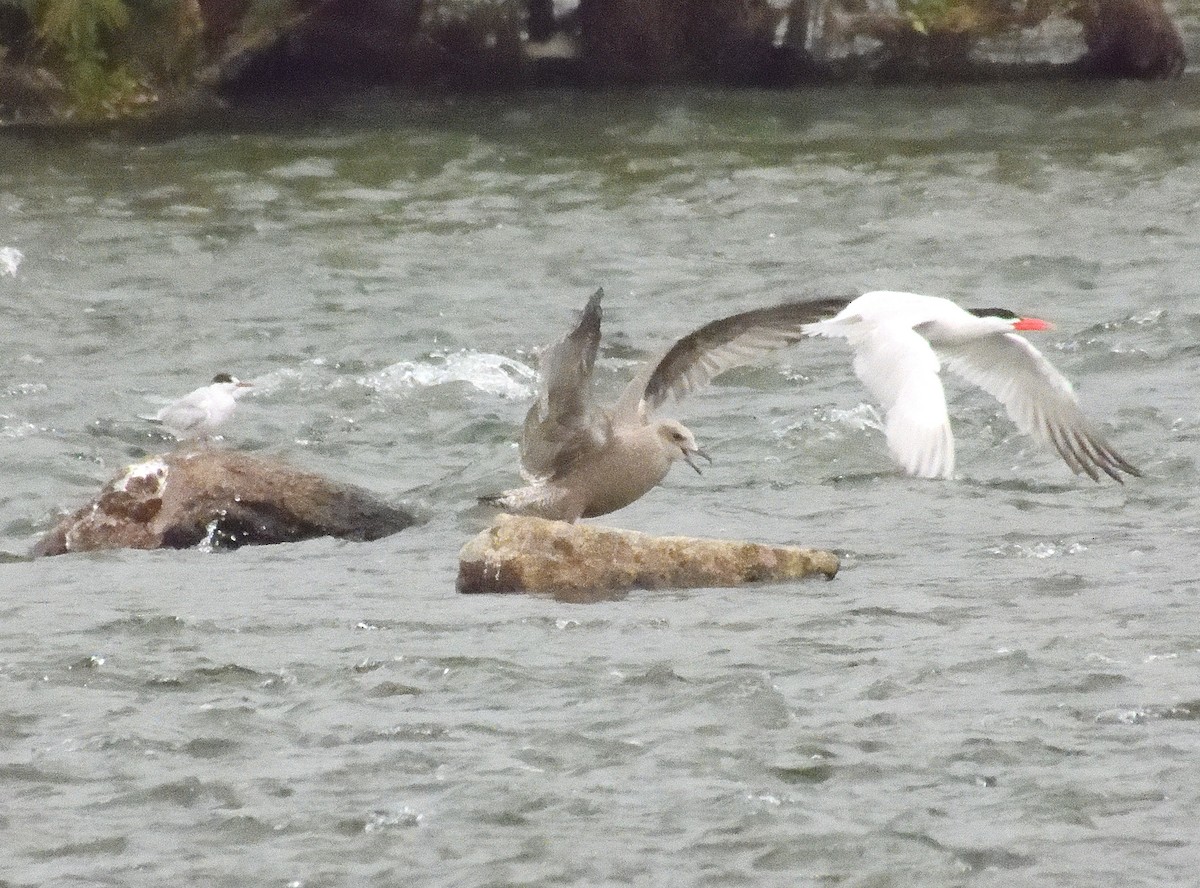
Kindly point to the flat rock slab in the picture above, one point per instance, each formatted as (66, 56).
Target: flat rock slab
(584, 561)
(223, 498)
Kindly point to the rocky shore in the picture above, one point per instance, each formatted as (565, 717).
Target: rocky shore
(127, 59)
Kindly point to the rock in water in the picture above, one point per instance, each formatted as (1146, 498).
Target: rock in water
(229, 499)
(581, 561)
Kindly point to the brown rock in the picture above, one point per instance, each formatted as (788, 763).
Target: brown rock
(656, 41)
(1130, 38)
(230, 499)
(28, 90)
(580, 562)
(311, 45)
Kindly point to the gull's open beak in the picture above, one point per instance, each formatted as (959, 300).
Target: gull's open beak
(241, 384)
(688, 458)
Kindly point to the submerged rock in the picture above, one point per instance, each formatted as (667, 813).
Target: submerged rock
(225, 498)
(582, 561)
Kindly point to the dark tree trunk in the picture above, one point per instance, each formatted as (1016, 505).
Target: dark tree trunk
(541, 20)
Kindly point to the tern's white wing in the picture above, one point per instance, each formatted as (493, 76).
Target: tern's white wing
(1039, 399)
(900, 369)
(185, 415)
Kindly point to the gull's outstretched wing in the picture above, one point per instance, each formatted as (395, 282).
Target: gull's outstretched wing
(698, 358)
(563, 422)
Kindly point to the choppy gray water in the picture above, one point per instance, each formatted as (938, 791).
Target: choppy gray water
(1001, 688)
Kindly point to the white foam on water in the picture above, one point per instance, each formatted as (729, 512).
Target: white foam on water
(390, 819)
(208, 545)
(834, 422)
(10, 260)
(489, 373)
(306, 168)
(859, 418)
(1042, 549)
(273, 380)
(10, 427)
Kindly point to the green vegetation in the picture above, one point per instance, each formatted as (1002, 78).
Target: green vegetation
(940, 15)
(978, 17)
(110, 56)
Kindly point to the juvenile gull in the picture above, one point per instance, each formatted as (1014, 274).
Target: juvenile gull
(581, 460)
(900, 341)
(199, 413)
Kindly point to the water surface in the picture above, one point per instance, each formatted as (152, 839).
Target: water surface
(999, 688)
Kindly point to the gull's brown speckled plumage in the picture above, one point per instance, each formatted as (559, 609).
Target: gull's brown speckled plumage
(581, 460)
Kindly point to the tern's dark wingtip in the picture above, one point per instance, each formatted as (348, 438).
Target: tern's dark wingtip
(1128, 470)
(1114, 470)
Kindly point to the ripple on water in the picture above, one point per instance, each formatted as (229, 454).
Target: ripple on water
(189, 792)
(229, 674)
(152, 625)
(1188, 711)
(393, 689)
(88, 848)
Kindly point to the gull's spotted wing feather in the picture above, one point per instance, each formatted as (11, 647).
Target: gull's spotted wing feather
(698, 358)
(563, 422)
